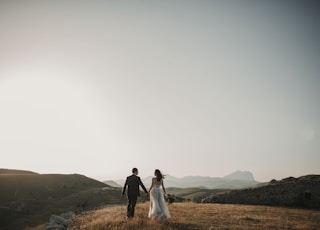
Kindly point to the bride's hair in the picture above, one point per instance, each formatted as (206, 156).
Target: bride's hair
(158, 174)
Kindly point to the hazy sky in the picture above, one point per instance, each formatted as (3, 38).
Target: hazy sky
(189, 87)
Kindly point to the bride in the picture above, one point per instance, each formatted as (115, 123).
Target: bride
(158, 208)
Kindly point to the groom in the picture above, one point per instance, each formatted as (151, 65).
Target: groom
(133, 183)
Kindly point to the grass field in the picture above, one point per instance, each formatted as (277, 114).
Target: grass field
(200, 216)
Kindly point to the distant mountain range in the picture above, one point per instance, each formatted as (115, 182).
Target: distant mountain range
(235, 180)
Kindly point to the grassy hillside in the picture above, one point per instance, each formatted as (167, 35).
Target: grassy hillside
(30, 199)
(43, 186)
(194, 194)
(293, 192)
(200, 216)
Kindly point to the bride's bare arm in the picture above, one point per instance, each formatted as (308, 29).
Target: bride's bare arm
(164, 190)
(152, 183)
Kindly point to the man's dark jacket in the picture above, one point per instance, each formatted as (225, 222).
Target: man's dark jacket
(133, 182)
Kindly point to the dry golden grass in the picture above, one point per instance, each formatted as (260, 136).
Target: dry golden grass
(200, 216)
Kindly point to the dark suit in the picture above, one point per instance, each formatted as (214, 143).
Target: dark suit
(133, 182)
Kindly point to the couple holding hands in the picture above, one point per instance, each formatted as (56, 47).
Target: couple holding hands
(158, 208)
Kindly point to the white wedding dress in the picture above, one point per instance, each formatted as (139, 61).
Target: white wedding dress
(158, 208)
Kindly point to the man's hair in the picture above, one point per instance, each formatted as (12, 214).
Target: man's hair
(134, 170)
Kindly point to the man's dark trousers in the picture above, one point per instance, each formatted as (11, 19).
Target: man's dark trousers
(132, 200)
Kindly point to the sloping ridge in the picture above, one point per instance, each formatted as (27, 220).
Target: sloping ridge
(15, 171)
(292, 192)
(29, 199)
(42, 186)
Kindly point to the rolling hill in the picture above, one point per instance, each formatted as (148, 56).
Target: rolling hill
(303, 192)
(28, 199)
(15, 171)
(112, 183)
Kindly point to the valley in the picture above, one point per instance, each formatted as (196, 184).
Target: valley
(28, 199)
